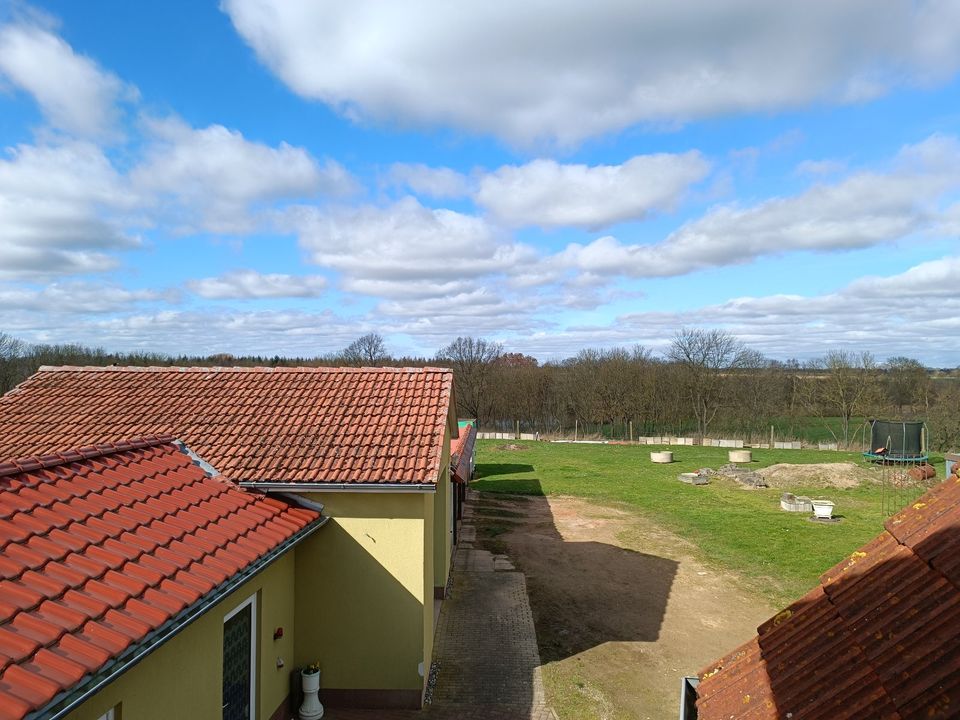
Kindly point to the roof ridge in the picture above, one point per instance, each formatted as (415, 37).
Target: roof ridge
(237, 368)
(31, 463)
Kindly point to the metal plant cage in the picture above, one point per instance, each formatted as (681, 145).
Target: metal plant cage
(897, 442)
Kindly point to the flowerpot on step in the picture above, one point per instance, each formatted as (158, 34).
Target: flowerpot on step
(310, 709)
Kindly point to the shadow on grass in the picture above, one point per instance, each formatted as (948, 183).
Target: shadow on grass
(583, 594)
(486, 469)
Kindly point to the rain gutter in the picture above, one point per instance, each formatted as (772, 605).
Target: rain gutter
(357, 487)
(688, 697)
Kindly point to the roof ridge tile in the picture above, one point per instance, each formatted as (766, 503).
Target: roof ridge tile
(32, 463)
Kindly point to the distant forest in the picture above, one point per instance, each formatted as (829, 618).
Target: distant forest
(707, 384)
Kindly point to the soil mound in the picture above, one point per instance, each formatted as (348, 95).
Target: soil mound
(838, 475)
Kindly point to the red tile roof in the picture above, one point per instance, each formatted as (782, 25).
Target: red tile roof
(461, 453)
(878, 638)
(252, 424)
(102, 546)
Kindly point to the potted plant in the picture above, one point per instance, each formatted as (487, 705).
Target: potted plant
(310, 709)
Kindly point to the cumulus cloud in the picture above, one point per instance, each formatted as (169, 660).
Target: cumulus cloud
(53, 201)
(863, 210)
(77, 298)
(550, 194)
(540, 70)
(231, 331)
(74, 93)
(937, 278)
(436, 182)
(404, 243)
(250, 284)
(213, 175)
(913, 313)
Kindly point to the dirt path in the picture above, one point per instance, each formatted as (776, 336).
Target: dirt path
(622, 608)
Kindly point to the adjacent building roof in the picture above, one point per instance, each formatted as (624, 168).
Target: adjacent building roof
(323, 425)
(878, 638)
(108, 551)
(461, 453)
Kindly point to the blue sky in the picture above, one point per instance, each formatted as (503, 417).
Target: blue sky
(255, 177)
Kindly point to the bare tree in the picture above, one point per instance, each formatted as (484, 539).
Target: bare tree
(842, 385)
(906, 381)
(473, 362)
(12, 361)
(369, 349)
(944, 420)
(706, 358)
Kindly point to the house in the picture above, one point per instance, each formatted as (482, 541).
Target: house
(123, 565)
(462, 460)
(371, 445)
(879, 637)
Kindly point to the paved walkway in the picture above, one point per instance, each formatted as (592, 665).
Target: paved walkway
(488, 664)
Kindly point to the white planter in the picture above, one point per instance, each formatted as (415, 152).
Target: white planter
(740, 456)
(823, 509)
(311, 709)
(664, 456)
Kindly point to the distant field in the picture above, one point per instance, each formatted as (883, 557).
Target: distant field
(808, 429)
(818, 430)
(779, 554)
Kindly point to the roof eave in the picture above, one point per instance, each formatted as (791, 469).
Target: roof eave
(321, 486)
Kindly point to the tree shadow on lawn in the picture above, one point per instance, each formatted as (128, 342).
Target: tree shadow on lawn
(584, 594)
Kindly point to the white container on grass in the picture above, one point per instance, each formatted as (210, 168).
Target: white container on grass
(823, 509)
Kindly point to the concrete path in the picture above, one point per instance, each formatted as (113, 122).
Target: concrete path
(485, 650)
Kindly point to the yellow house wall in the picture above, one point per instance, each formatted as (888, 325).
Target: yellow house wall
(443, 519)
(183, 677)
(362, 603)
(428, 502)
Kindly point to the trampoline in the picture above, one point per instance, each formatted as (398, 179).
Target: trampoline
(897, 442)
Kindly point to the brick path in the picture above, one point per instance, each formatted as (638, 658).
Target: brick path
(485, 646)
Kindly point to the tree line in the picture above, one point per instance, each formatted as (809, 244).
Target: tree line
(707, 384)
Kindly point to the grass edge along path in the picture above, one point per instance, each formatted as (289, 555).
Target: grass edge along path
(780, 555)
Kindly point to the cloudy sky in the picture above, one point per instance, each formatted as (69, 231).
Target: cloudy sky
(280, 178)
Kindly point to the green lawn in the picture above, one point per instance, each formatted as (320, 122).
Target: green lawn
(780, 554)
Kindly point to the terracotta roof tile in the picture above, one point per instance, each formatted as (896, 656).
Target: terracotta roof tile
(461, 453)
(878, 638)
(252, 424)
(91, 566)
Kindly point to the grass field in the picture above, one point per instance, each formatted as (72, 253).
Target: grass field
(779, 554)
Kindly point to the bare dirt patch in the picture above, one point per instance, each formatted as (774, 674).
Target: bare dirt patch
(511, 446)
(838, 475)
(622, 607)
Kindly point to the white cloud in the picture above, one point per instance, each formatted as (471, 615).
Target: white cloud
(404, 243)
(249, 284)
(912, 313)
(937, 278)
(436, 182)
(77, 298)
(550, 194)
(239, 333)
(75, 94)
(860, 211)
(55, 203)
(563, 72)
(214, 175)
